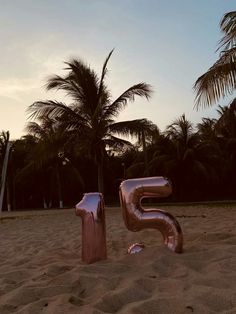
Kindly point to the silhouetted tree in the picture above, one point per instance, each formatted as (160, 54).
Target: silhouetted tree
(51, 154)
(4, 142)
(183, 157)
(92, 113)
(226, 132)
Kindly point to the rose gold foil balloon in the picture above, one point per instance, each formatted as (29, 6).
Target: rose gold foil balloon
(136, 217)
(91, 210)
(136, 248)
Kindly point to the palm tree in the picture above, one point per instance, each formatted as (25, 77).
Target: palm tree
(182, 156)
(206, 129)
(220, 80)
(226, 124)
(149, 134)
(22, 175)
(142, 152)
(5, 147)
(226, 133)
(92, 112)
(145, 135)
(51, 152)
(4, 139)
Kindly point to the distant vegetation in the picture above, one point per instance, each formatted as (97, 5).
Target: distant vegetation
(77, 148)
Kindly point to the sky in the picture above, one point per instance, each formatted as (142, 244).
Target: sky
(166, 43)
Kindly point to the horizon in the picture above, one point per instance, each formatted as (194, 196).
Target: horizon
(168, 45)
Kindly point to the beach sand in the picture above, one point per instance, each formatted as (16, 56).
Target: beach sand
(41, 269)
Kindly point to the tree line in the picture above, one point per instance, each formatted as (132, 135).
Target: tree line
(80, 147)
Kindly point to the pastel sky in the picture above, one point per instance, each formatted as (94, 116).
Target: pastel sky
(166, 43)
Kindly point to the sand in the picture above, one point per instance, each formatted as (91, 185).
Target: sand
(41, 269)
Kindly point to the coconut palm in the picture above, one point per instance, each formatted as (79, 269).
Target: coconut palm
(226, 124)
(23, 178)
(4, 139)
(138, 166)
(145, 136)
(226, 133)
(220, 80)
(183, 157)
(51, 152)
(226, 130)
(5, 147)
(92, 113)
(206, 129)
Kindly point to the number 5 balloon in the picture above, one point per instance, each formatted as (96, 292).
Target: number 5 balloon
(91, 210)
(136, 217)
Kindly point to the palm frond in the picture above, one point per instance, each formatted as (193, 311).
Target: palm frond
(141, 89)
(85, 85)
(35, 129)
(56, 82)
(55, 110)
(131, 128)
(81, 83)
(4, 137)
(228, 27)
(47, 108)
(206, 129)
(104, 72)
(180, 128)
(103, 96)
(218, 82)
(117, 143)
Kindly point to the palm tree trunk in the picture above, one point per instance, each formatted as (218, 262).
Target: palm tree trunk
(4, 173)
(59, 188)
(44, 203)
(14, 194)
(100, 176)
(145, 153)
(8, 197)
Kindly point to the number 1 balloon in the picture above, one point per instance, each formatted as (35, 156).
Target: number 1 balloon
(91, 210)
(137, 218)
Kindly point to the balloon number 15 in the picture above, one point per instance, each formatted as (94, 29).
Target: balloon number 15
(136, 218)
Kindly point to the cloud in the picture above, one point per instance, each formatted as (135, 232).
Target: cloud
(13, 88)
